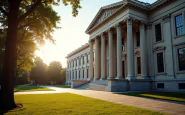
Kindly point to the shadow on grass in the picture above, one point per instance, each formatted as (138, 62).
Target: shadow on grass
(27, 87)
(168, 96)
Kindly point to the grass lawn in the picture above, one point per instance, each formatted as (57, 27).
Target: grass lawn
(72, 104)
(172, 96)
(30, 88)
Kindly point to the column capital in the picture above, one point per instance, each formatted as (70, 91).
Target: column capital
(90, 41)
(166, 18)
(149, 25)
(118, 26)
(129, 20)
(102, 34)
(110, 31)
(142, 25)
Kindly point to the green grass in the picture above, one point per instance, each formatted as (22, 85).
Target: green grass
(172, 96)
(62, 86)
(72, 104)
(30, 88)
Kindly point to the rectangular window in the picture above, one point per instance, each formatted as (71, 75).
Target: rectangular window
(181, 58)
(160, 85)
(88, 58)
(160, 62)
(181, 85)
(123, 47)
(179, 25)
(83, 74)
(138, 39)
(79, 61)
(83, 59)
(158, 32)
(138, 65)
(87, 73)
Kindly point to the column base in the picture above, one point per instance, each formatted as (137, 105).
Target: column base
(119, 78)
(110, 77)
(96, 79)
(131, 77)
(102, 78)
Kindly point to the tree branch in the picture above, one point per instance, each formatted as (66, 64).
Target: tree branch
(3, 11)
(30, 10)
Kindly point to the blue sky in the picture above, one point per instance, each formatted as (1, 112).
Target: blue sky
(72, 34)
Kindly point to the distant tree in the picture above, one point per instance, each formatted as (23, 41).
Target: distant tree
(63, 76)
(39, 72)
(54, 72)
(23, 79)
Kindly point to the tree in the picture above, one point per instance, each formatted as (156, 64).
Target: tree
(39, 72)
(15, 12)
(54, 72)
(63, 76)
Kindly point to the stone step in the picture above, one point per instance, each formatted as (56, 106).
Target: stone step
(97, 87)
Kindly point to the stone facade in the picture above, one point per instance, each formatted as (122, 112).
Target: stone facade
(135, 46)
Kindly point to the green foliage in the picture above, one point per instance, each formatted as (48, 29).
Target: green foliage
(54, 71)
(72, 104)
(63, 76)
(39, 72)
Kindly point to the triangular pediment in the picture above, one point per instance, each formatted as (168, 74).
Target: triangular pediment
(104, 13)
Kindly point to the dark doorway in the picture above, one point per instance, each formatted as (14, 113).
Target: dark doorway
(123, 68)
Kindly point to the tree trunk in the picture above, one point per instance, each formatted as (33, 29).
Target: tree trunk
(9, 68)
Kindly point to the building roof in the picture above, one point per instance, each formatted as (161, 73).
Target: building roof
(108, 11)
(86, 45)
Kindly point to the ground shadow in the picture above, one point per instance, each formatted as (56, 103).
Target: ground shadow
(173, 97)
(26, 87)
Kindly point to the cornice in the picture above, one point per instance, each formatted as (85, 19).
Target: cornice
(133, 3)
(78, 50)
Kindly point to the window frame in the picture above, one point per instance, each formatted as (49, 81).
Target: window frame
(164, 63)
(177, 58)
(137, 65)
(175, 23)
(137, 40)
(161, 32)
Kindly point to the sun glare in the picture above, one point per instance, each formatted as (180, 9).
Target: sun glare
(48, 52)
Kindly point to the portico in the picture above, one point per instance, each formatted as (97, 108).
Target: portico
(114, 35)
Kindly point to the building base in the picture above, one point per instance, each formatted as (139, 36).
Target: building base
(115, 85)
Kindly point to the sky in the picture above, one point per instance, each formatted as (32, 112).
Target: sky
(72, 33)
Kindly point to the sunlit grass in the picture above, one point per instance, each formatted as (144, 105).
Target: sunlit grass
(30, 88)
(72, 104)
(172, 96)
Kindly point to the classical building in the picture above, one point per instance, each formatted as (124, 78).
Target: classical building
(133, 46)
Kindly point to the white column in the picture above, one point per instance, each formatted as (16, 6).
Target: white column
(110, 34)
(81, 68)
(77, 69)
(91, 61)
(130, 50)
(71, 75)
(103, 59)
(143, 51)
(97, 60)
(119, 52)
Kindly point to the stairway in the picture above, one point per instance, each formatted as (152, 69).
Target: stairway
(95, 85)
